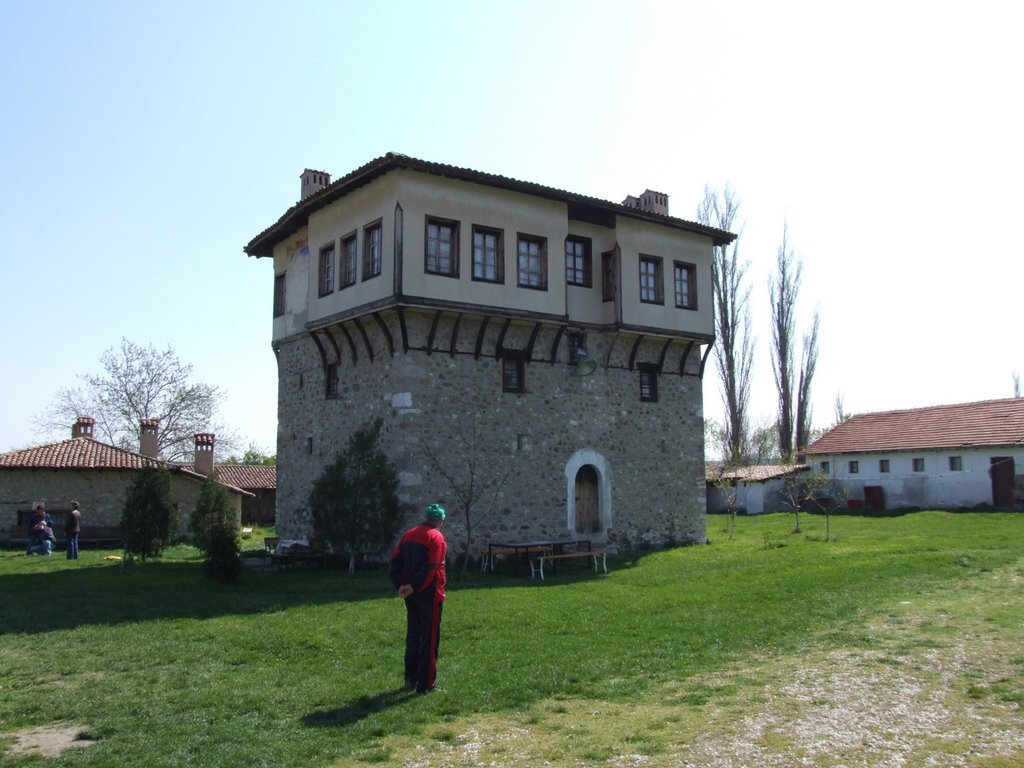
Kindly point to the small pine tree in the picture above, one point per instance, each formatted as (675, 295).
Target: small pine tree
(355, 500)
(224, 556)
(212, 511)
(148, 518)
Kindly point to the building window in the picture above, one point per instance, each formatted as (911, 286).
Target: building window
(442, 247)
(533, 262)
(651, 280)
(332, 380)
(956, 464)
(825, 467)
(488, 255)
(577, 347)
(373, 246)
(326, 285)
(577, 261)
(608, 276)
(648, 382)
(347, 266)
(919, 465)
(854, 467)
(883, 465)
(686, 285)
(513, 372)
(278, 295)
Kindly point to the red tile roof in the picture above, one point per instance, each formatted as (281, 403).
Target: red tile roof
(251, 477)
(988, 423)
(757, 473)
(76, 453)
(580, 206)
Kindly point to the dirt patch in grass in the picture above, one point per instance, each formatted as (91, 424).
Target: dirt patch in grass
(935, 680)
(49, 740)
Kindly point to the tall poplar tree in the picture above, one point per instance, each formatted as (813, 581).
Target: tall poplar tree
(783, 288)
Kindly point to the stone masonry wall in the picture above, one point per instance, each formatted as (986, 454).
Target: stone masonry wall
(653, 452)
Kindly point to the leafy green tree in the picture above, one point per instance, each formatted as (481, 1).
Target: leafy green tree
(148, 519)
(212, 512)
(224, 554)
(254, 455)
(354, 502)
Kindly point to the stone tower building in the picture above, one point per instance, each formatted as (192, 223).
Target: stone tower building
(548, 345)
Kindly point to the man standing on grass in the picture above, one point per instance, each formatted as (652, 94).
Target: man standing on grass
(417, 571)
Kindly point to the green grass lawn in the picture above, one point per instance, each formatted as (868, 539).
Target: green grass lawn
(161, 667)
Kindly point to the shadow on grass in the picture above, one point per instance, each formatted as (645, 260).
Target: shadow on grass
(357, 709)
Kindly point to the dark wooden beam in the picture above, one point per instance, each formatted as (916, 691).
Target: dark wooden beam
(682, 360)
(500, 345)
(556, 342)
(351, 344)
(531, 342)
(404, 329)
(632, 352)
(433, 331)
(661, 358)
(480, 337)
(703, 361)
(455, 335)
(387, 333)
(320, 349)
(366, 339)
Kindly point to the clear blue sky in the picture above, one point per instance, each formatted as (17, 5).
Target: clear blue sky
(143, 144)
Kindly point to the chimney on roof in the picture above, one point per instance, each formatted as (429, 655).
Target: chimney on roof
(149, 430)
(203, 462)
(83, 427)
(650, 201)
(313, 181)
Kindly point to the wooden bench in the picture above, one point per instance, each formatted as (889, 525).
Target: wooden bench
(539, 566)
(487, 561)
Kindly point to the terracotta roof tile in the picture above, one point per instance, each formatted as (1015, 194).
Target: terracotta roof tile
(757, 473)
(251, 477)
(76, 453)
(988, 423)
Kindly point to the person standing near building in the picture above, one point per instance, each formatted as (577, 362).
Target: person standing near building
(72, 527)
(417, 571)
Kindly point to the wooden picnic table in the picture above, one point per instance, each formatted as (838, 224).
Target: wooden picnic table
(523, 549)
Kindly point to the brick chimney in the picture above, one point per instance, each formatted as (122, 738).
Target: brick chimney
(313, 181)
(149, 431)
(650, 201)
(83, 427)
(203, 462)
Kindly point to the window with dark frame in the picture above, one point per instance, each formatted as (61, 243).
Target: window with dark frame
(488, 255)
(854, 467)
(279, 286)
(442, 247)
(332, 380)
(883, 465)
(326, 282)
(533, 262)
(347, 263)
(577, 341)
(373, 247)
(825, 467)
(513, 371)
(956, 464)
(919, 465)
(577, 261)
(608, 276)
(651, 280)
(686, 285)
(648, 382)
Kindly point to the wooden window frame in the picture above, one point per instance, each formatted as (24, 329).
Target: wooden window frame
(453, 225)
(325, 270)
(513, 371)
(279, 294)
(331, 381)
(648, 263)
(578, 270)
(853, 467)
(499, 254)
(348, 262)
(536, 280)
(373, 259)
(648, 382)
(687, 299)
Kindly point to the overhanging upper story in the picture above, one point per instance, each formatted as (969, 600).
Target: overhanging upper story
(405, 232)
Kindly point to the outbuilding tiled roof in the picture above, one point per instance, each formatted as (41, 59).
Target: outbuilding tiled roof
(251, 477)
(989, 423)
(580, 206)
(757, 473)
(76, 453)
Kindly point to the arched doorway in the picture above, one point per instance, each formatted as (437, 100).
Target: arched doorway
(587, 517)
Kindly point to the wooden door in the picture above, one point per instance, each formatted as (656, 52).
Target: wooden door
(1002, 481)
(586, 500)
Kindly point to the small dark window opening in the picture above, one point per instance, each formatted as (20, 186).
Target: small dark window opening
(332, 380)
(278, 295)
(648, 382)
(513, 372)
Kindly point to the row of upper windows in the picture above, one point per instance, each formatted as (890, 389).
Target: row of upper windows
(441, 249)
(956, 464)
(514, 377)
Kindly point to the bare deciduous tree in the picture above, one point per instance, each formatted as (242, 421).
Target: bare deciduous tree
(839, 411)
(1016, 384)
(138, 383)
(476, 481)
(783, 287)
(808, 362)
(734, 352)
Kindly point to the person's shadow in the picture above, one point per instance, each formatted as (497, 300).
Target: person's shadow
(357, 709)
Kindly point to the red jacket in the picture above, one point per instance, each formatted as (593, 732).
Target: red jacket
(419, 560)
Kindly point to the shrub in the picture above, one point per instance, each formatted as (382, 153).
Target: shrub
(212, 511)
(223, 554)
(148, 518)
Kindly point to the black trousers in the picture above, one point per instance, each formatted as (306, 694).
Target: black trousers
(422, 639)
